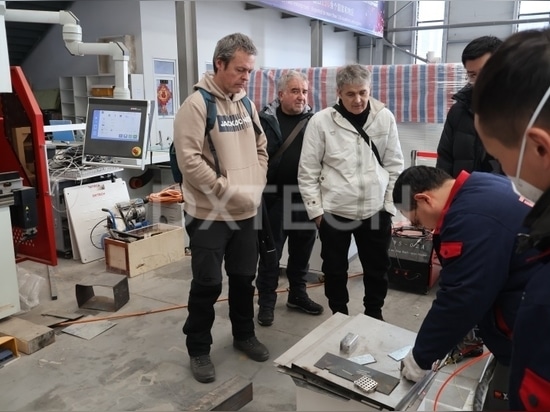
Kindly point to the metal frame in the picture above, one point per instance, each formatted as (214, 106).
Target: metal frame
(42, 247)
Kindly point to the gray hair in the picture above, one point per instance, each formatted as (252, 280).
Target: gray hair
(353, 74)
(288, 76)
(230, 44)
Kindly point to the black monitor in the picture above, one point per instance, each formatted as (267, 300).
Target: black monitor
(117, 132)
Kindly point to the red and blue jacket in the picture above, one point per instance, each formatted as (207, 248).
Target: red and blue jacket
(482, 277)
(530, 368)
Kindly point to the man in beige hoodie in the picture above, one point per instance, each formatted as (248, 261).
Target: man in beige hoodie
(224, 174)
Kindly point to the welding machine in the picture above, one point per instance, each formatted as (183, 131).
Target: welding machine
(414, 264)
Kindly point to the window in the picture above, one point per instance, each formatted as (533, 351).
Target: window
(533, 10)
(429, 13)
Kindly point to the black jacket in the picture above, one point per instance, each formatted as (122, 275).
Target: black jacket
(460, 147)
(530, 368)
(283, 170)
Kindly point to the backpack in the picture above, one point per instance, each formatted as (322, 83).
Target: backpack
(211, 113)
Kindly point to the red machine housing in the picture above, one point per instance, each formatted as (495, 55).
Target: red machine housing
(23, 150)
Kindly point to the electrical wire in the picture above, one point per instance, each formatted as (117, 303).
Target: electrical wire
(175, 307)
(167, 195)
(454, 374)
(95, 227)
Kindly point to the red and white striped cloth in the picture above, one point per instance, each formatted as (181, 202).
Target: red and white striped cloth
(418, 93)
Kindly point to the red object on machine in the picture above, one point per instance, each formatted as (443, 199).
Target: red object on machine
(19, 110)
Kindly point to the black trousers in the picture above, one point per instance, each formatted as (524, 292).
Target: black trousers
(213, 242)
(372, 237)
(288, 220)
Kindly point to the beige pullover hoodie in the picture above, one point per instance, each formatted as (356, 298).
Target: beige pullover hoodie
(242, 156)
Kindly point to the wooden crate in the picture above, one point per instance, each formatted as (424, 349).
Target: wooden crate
(162, 244)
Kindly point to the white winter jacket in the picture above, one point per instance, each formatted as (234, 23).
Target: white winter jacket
(338, 171)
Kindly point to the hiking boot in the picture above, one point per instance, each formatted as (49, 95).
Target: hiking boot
(253, 349)
(265, 316)
(305, 304)
(203, 368)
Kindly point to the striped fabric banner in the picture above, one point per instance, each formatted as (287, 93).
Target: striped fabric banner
(419, 93)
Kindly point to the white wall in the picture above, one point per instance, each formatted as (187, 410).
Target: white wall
(158, 36)
(281, 43)
(339, 48)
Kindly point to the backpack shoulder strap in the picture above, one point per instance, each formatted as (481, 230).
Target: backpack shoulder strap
(211, 111)
(248, 106)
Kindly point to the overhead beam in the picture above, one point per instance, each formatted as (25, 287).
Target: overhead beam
(466, 25)
(287, 15)
(251, 6)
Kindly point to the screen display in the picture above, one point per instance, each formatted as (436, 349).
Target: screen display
(117, 132)
(115, 125)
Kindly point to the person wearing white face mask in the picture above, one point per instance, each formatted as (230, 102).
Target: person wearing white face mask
(512, 117)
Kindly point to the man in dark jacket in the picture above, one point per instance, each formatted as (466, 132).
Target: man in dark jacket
(512, 107)
(459, 147)
(284, 121)
(475, 219)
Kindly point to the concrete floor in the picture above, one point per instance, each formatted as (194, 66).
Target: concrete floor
(141, 363)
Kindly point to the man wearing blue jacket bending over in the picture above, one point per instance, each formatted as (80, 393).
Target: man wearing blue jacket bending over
(475, 220)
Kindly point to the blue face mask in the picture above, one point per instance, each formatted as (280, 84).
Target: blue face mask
(521, 187)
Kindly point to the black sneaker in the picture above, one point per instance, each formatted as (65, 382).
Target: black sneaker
(305, 304)
(265, 316)
(253, 349)
(203, 368)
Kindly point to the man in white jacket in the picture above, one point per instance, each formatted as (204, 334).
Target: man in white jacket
(350, 160)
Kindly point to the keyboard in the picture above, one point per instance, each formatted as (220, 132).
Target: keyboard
(85, 172)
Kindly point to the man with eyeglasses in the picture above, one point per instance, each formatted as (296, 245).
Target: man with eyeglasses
(459, 146)
(475, 220)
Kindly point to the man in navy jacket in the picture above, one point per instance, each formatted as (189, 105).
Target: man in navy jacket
(512, 108)
(475, 220)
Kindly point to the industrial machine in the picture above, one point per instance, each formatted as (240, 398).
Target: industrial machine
(414, 264)
(22, 201)
(134, 215)
(18, 209)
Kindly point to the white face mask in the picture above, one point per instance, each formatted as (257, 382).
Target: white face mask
(521, 187)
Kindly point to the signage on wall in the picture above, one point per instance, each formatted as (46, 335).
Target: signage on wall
(365, 17)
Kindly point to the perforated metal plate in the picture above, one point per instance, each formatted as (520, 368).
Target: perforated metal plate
(366, 384)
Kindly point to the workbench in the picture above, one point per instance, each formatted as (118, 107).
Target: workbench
(321, 390)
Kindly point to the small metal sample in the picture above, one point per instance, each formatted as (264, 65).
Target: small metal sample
(349, 342)
(400, 354)
(363, 359)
